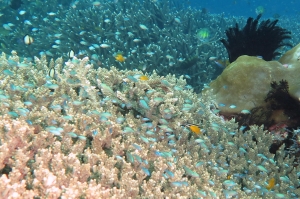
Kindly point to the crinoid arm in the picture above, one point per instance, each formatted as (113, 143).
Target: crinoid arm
(256, 39)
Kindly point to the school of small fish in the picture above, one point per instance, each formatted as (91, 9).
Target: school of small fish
(150, 105)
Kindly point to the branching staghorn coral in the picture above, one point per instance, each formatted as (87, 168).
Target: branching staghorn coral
(151, 36)
(99, 133)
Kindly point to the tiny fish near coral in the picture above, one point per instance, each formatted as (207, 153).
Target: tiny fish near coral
(120, 58)
(144, 78)
(194, 128)
(271, 184)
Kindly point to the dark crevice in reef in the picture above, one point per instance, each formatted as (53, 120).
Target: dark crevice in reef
(6, 170)
(256, 40)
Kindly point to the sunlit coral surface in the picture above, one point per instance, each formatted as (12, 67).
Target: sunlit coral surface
(86, 133)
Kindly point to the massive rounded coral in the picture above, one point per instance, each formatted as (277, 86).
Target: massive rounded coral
(245, 83)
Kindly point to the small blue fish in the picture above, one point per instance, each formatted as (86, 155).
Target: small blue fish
(245, 111)
(146, 171)
(29, 122)
(165, 176)
(150, 133)
(138, 158)
(8, 72)
(152, 139)
(284, 179)
(131, 78)
(28, 103)
(56, 107)
(280, 195)
(13, 114)
(171, 142)
(23, 111)
(120, 120)
(243, 128)
(68, 117)
(72, 134)
(146, 162)
(94, 132)
(119, 157)
(22, 65)
(180, 183)
(12, 62)
(202, 193)
(199, 164)
(12, 87)
(213, 194)
(30, 85)
(54, 130)
(128, 130)
(3, 97)
(242, 150)
(187, 77)
(166, 154)
(144, 104)
(229, 183)
(129, 157)
(51, 86)
(165, 82)
(220, 64)
(145, 119)
(232, 106)
(262, 156)
(77, 103)
(103, 119)
(221, 104)
(144, 139)
(136, 146)
(190, 172)
(169, 173)
(262, 168)
(230, 193)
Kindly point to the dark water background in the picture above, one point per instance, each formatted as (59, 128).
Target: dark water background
(272, 8)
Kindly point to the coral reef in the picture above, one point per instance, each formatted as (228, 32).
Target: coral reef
(256, 40)
(97, 133)
(159, 35)
(121, 119)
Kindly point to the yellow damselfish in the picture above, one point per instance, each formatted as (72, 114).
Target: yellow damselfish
(144, 78)
(271, 183)
(120, 58)
(194, 128)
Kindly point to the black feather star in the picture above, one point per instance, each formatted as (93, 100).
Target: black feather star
(255, 40)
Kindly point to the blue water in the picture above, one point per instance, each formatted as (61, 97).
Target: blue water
(247, 7)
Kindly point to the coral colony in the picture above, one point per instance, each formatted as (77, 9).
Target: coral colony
(102, 99)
